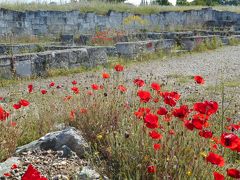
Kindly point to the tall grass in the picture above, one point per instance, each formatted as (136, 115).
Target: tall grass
(101, 7)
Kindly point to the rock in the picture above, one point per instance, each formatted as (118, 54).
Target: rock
(88, 173)
(6, 166)
(57, 141)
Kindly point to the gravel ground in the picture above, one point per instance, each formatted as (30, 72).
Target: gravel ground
(211, 65)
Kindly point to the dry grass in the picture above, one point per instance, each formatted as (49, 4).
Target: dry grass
(103, 7)
(119, 139)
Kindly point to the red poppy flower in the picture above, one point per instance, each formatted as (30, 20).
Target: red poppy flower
(156, 147)
(105, 75)
(7, 174)
(207, 107)
(181, 112)
(83, 110)
(43, 91)
(171, 132)
(142, 112)
(30, 88)
(218, 176)
(74, 82)
(32, 174)
(1, 98)
(118, 68)
(155, 86)
(95, 87)
(151, 121)
(199, 80)
(138, 82)
(162, 111)
(75, 90)
(3, 114)
(156, 100)
(145, 96)
(13, 124)
(155, 135)
(24, 102)
(72, 114)
(230, 140)
(170, 101)
(51, 84)
(234, 173)
(151, 169)
(17, 106)
(122, 88)
(189, 125)
(215, 159)
(90, 93)
(14, 166)
(205, 134)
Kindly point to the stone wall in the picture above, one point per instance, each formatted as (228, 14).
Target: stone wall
(75, 22)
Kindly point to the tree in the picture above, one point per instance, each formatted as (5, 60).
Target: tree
(163, 2)
(182, 3)
(205, 2)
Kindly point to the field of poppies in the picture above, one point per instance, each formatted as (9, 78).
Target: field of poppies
(141, 129)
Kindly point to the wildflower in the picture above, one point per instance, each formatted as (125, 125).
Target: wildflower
(122, 88)
(17, 106)
(7, 174)
(72, 114)
(156, 147)
(151, 121)
(83, 110)
(218, 176)
(189, 173)
(138, 82)
(24, 102)
(141, 112)
(171, 132)
(13, 124)
(151, 169)
(105, 75)
(1, 98)
(207, 107)
(205, 134)
(95, 87)
(199, 80)
(189, 125)
(204, 154)
(99, 136)
(118, 68)
(155, 135)
(162, 111)
(30, 88)
(3, 114)
(44, 91)
(155, 86)
(51, 84)
(75, 90)
(215, 159)
(234, 173)
(33, 174)
(145, 96)
(74, 82)
(14, 166)
(170, 98)
(230, 140)
(181, 112)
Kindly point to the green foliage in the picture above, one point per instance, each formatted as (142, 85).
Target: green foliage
(206, 2)
(163, 2)
(182, 3)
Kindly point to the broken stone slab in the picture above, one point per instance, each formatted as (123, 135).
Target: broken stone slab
(5, 167)
(69, 137)
(190, 43)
